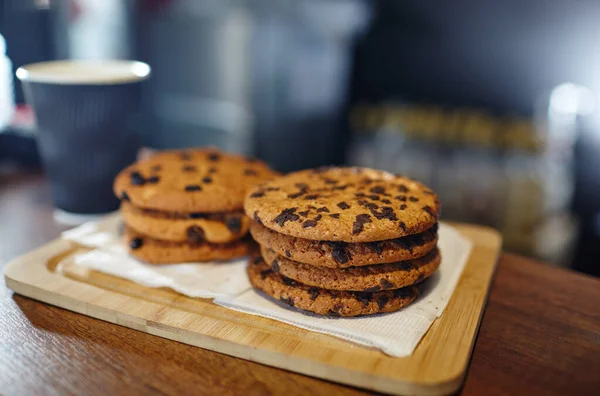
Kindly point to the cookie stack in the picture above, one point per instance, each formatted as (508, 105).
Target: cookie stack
(182, 206)
(343, 241)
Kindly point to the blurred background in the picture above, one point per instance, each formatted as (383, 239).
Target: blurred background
(492, 104)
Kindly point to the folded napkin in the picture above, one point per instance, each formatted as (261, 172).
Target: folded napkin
(205, 280)
(396, 333)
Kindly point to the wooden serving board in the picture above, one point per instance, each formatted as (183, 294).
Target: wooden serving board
(438, 365)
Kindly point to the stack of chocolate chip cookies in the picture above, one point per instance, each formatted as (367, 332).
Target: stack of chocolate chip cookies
(182, 206)
(343, 241)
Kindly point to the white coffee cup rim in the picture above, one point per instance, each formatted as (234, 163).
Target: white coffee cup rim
(92, 72)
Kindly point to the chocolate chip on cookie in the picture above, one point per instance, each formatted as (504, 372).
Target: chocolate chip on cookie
(359, 223)
(234, 223)
(287, 300)
(153, 180)
(339, 252)
(275, 266)
(429, 210)
(136, 243)
(378, 190)
(265, 273)
(137, 179)
(314, 293)
(193, 187)
(285, 216)
(309, 223)
(196, 234)
(343, 205)
(387, 284)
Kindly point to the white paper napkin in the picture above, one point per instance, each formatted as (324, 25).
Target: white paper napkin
(204, 280)
(396, 334)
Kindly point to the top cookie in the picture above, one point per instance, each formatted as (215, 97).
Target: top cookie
(343, 204)
(192, 180)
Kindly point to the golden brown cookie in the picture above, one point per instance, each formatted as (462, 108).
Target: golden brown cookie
(155, 251)
(167, 226)
(193, 180)
(343, 204)
(344, 254)
(326, 302)
(371, 278)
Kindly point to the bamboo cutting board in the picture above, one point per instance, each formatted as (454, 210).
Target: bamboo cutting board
(437, 366)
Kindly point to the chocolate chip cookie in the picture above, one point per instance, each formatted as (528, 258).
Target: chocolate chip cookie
(155, 251)
(371, 278)
(190, 181)
(343, 205)
(343, 254)
(326, 302)
(181, 227)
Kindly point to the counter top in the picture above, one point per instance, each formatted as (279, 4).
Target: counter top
(540, 333)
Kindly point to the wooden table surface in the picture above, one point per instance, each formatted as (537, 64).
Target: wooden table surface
(540, 334)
